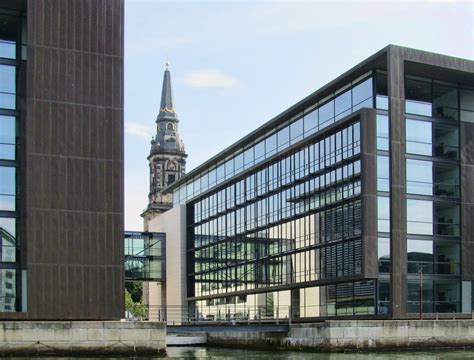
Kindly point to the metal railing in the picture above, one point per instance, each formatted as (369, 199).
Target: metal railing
(233, 314)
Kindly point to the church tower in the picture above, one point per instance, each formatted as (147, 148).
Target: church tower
(167, 155)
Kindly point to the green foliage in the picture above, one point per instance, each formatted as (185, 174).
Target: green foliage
(135, 289)
(137, 309)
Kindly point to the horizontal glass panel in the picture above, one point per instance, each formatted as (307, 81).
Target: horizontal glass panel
(417, 108)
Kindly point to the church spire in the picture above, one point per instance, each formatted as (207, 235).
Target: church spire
(167, 110)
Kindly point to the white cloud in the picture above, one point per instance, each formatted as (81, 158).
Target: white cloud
(139, 130)
(210, 78)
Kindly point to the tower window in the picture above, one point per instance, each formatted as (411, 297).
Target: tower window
(170, 127)
(171, 179)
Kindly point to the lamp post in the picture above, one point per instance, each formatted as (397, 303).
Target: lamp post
(420, 272)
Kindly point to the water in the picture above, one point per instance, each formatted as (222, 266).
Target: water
(198, 353)
(229, 354)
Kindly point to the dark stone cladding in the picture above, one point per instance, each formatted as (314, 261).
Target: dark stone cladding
(369, 192)
(71, 160)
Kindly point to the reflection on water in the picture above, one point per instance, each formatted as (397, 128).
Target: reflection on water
(190, 353)
(221, 354)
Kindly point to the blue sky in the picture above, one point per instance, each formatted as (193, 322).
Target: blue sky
(235, 65)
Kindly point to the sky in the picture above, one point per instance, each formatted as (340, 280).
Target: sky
(236, 65)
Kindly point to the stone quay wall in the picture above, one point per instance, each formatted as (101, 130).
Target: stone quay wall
(363, 335)
(82, 338)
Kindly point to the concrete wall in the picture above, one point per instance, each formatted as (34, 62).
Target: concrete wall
(173, 223)
(82, 337)
(357, 334)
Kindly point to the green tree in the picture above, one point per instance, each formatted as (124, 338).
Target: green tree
(137, 309)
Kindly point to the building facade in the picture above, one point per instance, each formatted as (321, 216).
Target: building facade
(355, 202)
(167, 159)
(61, 159)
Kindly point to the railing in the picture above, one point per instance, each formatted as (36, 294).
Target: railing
(233, 314)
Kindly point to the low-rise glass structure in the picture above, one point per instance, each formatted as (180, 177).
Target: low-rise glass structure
(356, 202)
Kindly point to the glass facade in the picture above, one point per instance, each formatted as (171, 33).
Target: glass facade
(433, 111)
(352, 97)
(277, 229)
(12, 52)
(145, 256)
(293, 221)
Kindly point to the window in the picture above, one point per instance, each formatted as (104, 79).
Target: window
(383, 173)
(296, 131)
(7, 188)
(7, 87)
(383, 254)
(382, 132)
(343, 104)
(383, 214)
(362, 95)
(445, 102)
(326, 114)
(382, 91)
(467, 105)
(311, 122)
(7, 137)
(418, 137)
(419, 177)
(419, 217)
(418, 97)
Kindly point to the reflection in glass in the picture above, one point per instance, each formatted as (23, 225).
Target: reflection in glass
(343, 104)
(467, 105)
(326, 114)
(419, 217)
(311, 122)
(383, 254)
(382, 132)
(7, 87)
(418, 137)
(445, 102)
(7, 137)
(419, 177)
(418, 97)
(383, 173)
(383, 214)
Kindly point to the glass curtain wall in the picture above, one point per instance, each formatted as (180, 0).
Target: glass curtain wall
(433, 111)
(12, 51)
(294, 221)
(350, 98)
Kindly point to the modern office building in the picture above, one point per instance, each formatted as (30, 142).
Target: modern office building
(61, 159)
(346, 204)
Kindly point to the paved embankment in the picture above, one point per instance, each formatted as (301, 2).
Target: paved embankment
(82, 338)
(335, 335)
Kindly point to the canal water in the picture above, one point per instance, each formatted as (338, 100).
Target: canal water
(229, 354)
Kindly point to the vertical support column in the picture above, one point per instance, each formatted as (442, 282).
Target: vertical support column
(369, 192)
(396, 94)
(466, 130)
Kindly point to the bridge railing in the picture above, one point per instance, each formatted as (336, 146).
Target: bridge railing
(244, 314)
